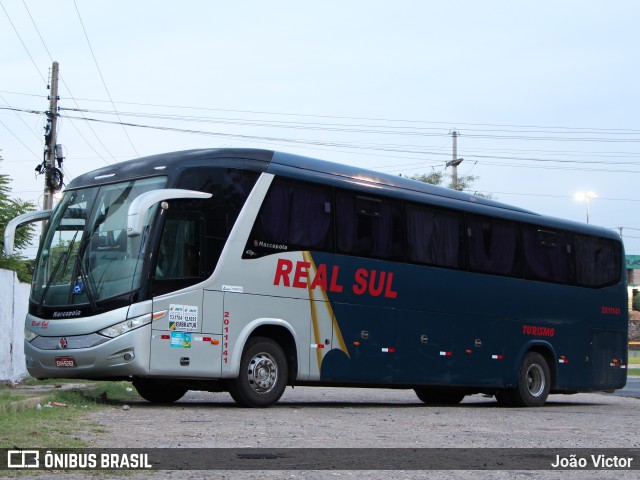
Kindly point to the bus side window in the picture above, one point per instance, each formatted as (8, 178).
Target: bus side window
(434, 237)
(369, 227)
(598, 261)
(294, 216)
(548, 255)
(230, 188)
(493, 246)
(179, 262)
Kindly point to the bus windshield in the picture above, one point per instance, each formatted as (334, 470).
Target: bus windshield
(86, 255)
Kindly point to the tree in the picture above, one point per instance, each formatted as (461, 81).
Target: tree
(10, 208)
(465, 182)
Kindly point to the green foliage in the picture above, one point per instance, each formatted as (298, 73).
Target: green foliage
(464, 183)
(636, 302)
(61, 421)
(10, 208)
(434, 178)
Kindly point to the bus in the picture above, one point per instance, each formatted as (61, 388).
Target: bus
(247, 271)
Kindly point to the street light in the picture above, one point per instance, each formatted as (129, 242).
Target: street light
(586, 196)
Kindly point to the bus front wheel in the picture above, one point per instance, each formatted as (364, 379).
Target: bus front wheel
(534, 383)
(263, 374)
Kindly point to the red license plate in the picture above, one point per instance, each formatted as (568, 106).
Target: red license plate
(65, 362)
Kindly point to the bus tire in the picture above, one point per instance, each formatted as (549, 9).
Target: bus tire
(263, 374)
(534, 383)
(432, 396)
(159, 391)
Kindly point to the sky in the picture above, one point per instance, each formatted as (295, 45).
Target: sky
(544, 94)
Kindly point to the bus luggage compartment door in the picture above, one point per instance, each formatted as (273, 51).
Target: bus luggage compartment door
(370, 337)
(424, 351)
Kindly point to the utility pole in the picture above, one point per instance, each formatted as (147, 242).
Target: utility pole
(51, 185)
(455, 161)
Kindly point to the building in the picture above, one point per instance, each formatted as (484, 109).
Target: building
(633, 277)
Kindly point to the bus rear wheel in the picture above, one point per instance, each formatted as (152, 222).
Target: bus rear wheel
(534, 383)
(263, 374)
(432, 396)
(159, 391)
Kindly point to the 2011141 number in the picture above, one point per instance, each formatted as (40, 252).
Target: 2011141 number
(225, 337)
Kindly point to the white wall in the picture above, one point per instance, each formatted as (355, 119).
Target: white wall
(14, 300)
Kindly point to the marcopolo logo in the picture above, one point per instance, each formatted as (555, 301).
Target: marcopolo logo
(67, 314)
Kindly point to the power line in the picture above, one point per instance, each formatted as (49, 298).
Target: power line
(44, 44)
(331, 144)
(562, 196)
(23, 94)
(23, 44)
(351, 129)
(379, 129)
(18, 139)
(445, 125)
(38, 31)
(487, 160)
(524, 162)
(21, 119)
(101, 76)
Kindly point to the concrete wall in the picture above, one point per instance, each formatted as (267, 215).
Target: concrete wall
(14, 300)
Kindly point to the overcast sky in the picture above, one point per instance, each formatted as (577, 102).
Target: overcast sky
(544, 94)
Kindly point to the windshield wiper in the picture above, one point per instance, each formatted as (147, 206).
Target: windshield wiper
(88, 286)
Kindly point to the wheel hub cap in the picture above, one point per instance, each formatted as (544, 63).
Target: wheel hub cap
(262, 373)
(535, 380)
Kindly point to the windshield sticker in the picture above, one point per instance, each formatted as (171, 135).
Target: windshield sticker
(183, 318)
(77, 287)
(180, 340)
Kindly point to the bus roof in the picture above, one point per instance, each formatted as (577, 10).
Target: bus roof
(311, 169)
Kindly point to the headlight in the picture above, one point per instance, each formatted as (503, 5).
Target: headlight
(29, 335)
(126, 326)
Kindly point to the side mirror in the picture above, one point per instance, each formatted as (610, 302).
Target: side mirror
(10, 230)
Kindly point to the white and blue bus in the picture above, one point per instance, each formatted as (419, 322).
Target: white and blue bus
(247, 270)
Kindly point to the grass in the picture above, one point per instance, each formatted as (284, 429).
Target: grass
(22, 425)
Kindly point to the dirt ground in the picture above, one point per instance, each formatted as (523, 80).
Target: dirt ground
(331, 417)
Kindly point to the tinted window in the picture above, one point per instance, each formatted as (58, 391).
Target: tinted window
(368, 226)
(194, 232)
(598, 261)
(230, 188)
(294, 216)
(179, 249)
(548, 255)
(434, 237)
(493, 246)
